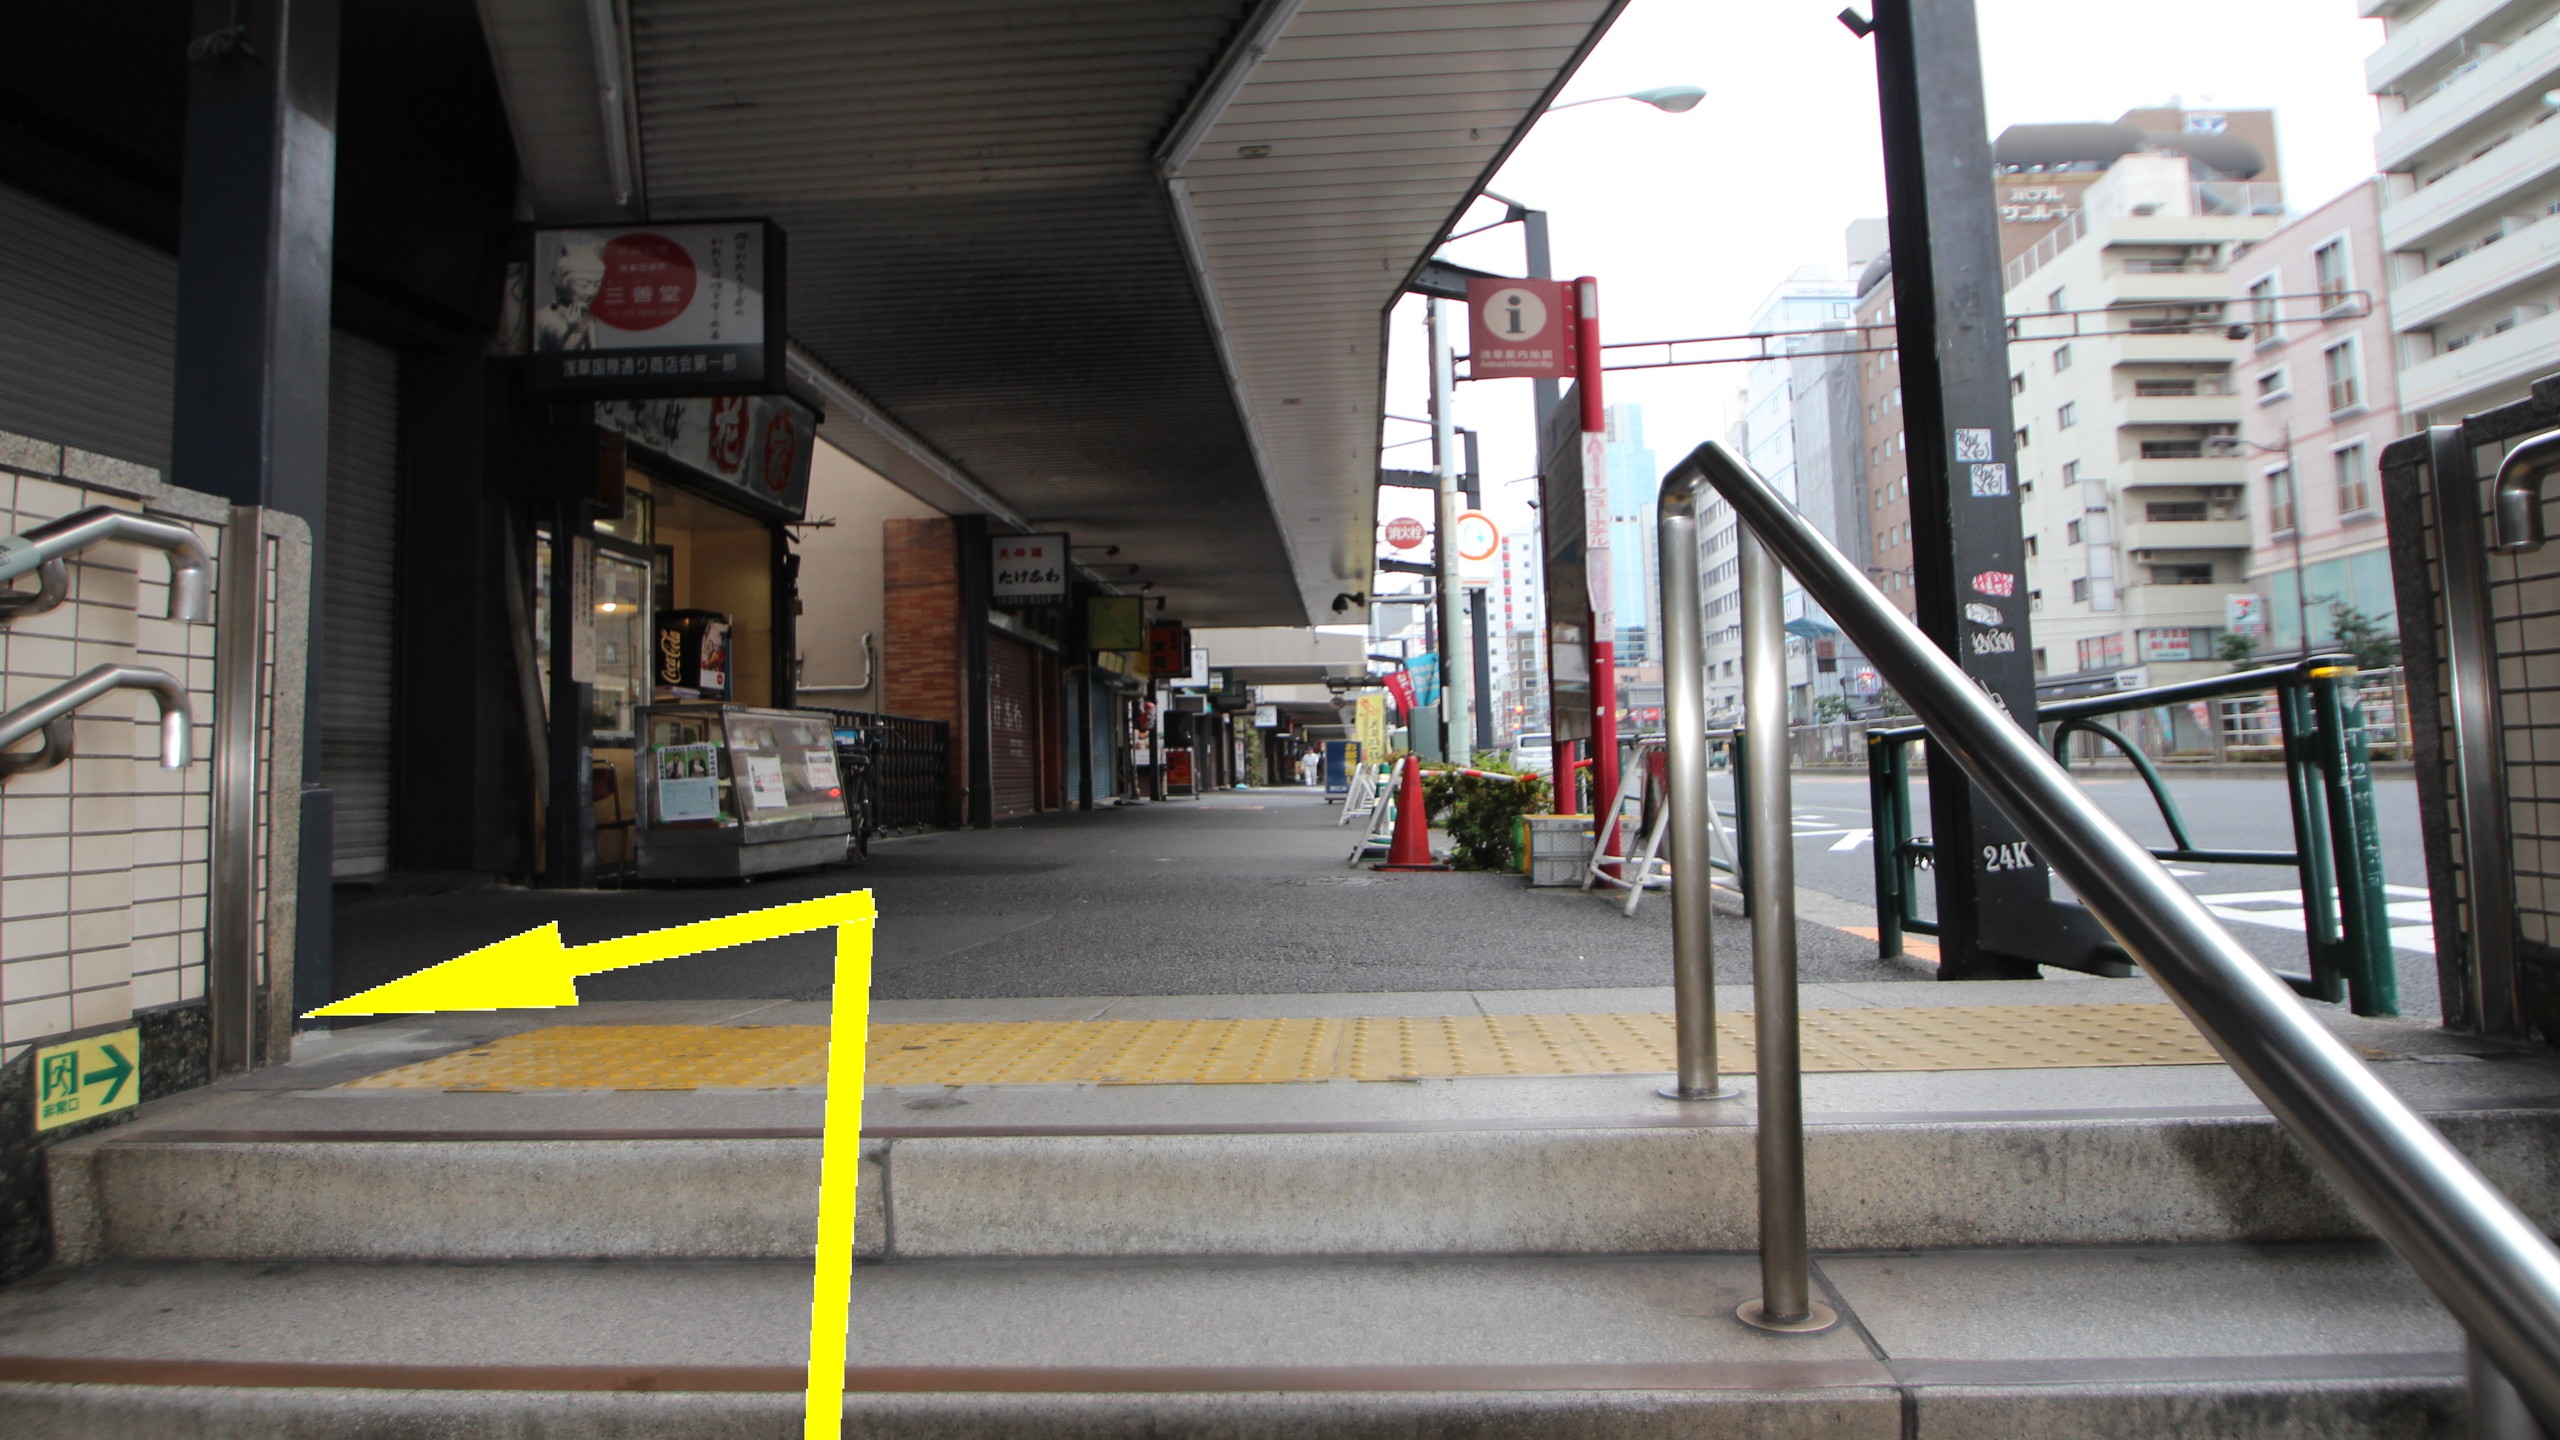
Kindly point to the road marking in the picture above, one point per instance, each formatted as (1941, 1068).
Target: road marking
(1852, 840)
(2412, 917)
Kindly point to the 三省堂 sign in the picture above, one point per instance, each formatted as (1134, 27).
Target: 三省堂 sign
(84, 1079)
(655, 310)
(1027, 569)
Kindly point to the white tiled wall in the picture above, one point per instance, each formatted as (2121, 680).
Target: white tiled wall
(103, 862)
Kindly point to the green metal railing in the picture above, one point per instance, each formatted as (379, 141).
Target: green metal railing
(2328, 777)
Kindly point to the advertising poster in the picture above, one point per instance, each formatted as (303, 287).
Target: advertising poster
(688, 783)
(765, 787)
(760, 446)
(656, 309)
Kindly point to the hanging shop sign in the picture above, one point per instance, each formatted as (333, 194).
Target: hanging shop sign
(2245, 615)
(1027, 569)
(758, 449)
(1520, 327)
(1425, 670)
(621, 310)
(1115, 622)
(1168, 650)
(1369, 723)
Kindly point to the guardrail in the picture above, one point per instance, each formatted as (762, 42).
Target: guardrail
(2480, 1256)
(2318, 708)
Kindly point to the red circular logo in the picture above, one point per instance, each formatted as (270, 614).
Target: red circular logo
(1404, 532)
(648, 280)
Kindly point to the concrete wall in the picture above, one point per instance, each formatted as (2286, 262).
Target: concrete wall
(844, 580)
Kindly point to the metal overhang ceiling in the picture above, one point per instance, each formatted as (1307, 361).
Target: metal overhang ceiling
(983, 243)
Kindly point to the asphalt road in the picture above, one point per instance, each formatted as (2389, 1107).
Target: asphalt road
(2261, 905)
(1241, 893)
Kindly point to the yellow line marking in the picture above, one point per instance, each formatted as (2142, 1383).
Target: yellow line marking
(535, 971)
(1295, 1050)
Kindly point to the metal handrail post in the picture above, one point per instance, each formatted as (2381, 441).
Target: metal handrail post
(2346, 763)
(1740, 769)
(1786, 1300)
(2301, 731)
(190, 567)
(1884, 812)
(1684, 703)
(2481, 1257)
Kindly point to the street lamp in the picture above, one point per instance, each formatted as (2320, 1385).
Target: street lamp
(1670, 99)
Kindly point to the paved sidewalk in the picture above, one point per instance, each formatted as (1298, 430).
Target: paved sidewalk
(1242, 893)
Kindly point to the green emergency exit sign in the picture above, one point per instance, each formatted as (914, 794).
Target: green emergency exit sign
(84, 1079)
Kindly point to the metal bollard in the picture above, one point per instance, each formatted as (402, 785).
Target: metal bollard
(1693, 976)
(1786, 1301)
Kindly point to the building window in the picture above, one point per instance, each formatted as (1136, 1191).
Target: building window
(2280, 500)
(2101, 652)
(2080, 595)
(2022, 437)
(2039, 659)
(2180, 386)
(2071, 472)
(2274, 385)
(2194, 572)
(2329, 268)
(2355, 480)
(2017, 384)
(2173, 449)
(2053, 302)
(2061, 358)
(2174, 510)
(2066, 417)
(2262, 310)
(2071, 533)
(2031, 547)
(2346, 390)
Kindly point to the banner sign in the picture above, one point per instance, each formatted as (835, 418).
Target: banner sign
(690, 309)
(1369, 724)
(761, 447)
(1400, 686)
(1168, 650)
(1520, 327)
(1425, 670)
(1027, 569)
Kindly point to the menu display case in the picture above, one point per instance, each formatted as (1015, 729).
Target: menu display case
(730, 790)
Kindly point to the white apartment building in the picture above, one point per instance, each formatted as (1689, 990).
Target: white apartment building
(2133, 482)
(2472, 169)
(1516, 614)
(2320, 404)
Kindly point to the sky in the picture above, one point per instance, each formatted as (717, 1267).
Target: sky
(1689, 220)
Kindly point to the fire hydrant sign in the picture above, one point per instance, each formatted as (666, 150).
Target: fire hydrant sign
(85, 1079)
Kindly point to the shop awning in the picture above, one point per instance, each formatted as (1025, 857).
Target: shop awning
(1118, 269)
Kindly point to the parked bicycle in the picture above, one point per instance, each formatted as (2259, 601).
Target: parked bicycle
(858, 770)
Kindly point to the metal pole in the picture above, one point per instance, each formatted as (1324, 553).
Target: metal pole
(1456, 703)
(1596, 573)
(1684, 705)
(231, 928)
(1786, 1300)
(2497, 1411)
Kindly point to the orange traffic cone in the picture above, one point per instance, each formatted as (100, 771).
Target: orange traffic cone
(1411, 848)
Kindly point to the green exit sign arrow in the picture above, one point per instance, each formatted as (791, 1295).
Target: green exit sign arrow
(84, 1079)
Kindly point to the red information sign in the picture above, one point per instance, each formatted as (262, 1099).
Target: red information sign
(1520, 327)
(1404, 532)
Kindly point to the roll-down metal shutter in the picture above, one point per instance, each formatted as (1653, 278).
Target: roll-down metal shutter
(88, 333)
(1010, 709)
(355, 675)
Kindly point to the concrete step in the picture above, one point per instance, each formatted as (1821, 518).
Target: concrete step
(2264, 1342)
(1582, 1166)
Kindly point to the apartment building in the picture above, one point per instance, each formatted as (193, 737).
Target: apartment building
(2320, 402)
(2132, 480)
(1888, 482)
(2471, 169)
(1635, 564)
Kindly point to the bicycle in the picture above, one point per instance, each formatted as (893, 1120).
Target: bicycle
(859, 761)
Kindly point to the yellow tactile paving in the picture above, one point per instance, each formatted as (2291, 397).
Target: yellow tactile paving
(1283, 1051)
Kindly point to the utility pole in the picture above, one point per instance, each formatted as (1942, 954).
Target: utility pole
(1456, 681)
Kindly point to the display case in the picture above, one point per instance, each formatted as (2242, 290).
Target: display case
(728, 790)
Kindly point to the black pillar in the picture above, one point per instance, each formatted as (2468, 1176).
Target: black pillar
(257, 221)
(1994, 899)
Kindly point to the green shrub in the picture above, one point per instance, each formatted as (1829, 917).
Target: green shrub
(1482, 814)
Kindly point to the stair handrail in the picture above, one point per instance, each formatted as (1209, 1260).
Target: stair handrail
(43, 549)
(51, 711)
(2480, 1256)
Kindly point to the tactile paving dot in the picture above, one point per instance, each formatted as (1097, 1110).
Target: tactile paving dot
(1298, 1050)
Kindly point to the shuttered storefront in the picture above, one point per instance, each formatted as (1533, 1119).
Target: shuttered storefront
(88, 333)
(355, 677)
(1012, 731)
(88, 352)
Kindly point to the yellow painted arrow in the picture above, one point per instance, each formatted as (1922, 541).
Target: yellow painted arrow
(535, 971)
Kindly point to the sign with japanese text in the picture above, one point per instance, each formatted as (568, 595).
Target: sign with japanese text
(1168, 650)
(84, 1079)
(1400, 686)
(1425, 670)
(1027, 569)
(1115, 622)
(1520, 327)
(1369, 723)
(757, 448)
(688, 309)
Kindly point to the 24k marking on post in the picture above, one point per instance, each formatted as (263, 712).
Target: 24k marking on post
(535, 971)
